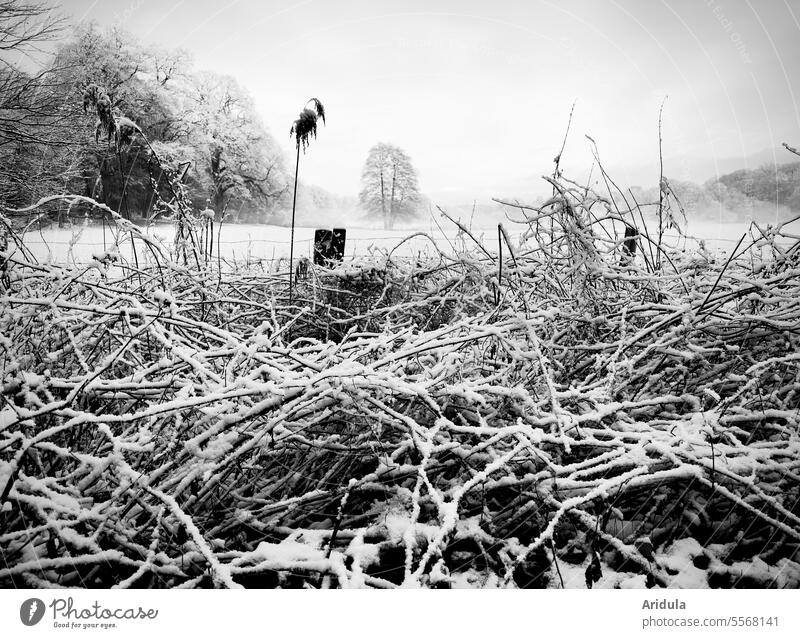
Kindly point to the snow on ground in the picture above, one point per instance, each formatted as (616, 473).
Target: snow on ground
(81, 243)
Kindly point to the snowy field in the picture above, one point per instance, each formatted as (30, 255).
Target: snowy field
(266, 243)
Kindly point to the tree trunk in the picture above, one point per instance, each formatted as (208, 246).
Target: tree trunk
(219, 202)
(391, 201)
(123, 199)
(383, 203)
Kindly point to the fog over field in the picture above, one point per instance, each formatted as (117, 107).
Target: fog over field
(270, 244)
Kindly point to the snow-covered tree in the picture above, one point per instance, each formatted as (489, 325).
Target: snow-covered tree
(389, 184)
(202, 121)
(235, 156)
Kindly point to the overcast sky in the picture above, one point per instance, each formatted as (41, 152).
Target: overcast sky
(479, 93)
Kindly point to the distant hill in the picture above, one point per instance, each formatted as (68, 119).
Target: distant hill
(743, 194)
(774, 184)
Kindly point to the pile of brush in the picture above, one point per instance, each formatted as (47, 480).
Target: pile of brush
(582, 409)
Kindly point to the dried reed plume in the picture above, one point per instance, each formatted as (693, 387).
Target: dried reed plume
(303, 129)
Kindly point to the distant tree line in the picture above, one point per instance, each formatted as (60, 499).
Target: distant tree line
(738, 192)
(775, 184)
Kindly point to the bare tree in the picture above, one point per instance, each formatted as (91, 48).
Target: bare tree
(26, 101)
(24, 27)
(30, 106)
(389, 182)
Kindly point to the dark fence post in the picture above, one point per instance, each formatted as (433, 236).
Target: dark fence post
(323, 239)
(329, 246)
(339, 236)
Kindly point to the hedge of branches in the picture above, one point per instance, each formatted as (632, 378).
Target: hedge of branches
(496, 416)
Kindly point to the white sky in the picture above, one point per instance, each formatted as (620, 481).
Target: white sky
(479, 93)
